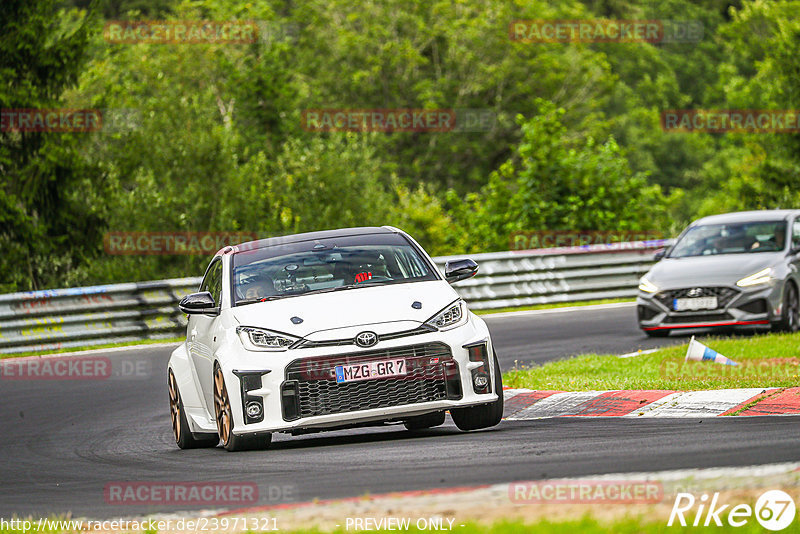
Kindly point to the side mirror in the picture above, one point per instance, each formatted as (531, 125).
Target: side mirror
(459, 270)
(660, 253)
(196, 303)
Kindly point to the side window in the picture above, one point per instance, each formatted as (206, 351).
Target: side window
(796, 234)
(213, 281)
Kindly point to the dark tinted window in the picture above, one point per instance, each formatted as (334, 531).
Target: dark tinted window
(213, 281)
(327, 265)
(796, 234)
(734, 238)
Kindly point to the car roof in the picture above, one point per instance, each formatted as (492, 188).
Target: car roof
(309, 236)
(748, 216)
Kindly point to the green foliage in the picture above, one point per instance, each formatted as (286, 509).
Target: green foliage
(557, 183)
(763, 67)
(214, 139)
(45, 222)
(119, 9)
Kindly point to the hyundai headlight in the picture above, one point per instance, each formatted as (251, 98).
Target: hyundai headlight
(264, 340)
(764, 276)
(450, 317)
(647, 286)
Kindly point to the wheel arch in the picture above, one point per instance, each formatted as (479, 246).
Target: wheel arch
(190, 394)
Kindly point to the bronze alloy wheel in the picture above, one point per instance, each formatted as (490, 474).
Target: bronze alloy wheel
(174, 407)
(181, 431)
(222, 408)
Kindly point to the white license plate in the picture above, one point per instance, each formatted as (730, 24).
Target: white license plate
(701, 303)
(370, 370)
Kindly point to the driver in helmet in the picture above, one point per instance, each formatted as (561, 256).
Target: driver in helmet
(258, 287)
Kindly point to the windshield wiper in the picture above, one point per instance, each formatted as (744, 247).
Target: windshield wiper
(332, 289)
(258, 299)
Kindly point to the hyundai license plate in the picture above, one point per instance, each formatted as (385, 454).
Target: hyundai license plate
(701, 303)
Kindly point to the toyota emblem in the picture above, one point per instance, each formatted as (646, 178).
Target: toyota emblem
(366, 339)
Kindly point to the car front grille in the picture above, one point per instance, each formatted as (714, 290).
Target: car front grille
(724, 295)
(310, 388)
(698, 318)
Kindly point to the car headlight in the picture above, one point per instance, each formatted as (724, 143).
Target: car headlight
(450, 317)
(764, 276)
(647, 286)
(264, 340)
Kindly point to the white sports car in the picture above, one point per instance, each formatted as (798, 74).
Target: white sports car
(328, 330)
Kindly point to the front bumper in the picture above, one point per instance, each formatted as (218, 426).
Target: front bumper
(738, 308)
(298, 391)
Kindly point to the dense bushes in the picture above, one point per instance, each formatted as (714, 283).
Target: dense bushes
(215, 140)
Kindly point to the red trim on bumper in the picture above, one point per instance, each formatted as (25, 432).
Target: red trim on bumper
(706, 325)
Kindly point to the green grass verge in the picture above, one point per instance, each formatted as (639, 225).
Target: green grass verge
(93, 347)
(552, 305)
(765, 360)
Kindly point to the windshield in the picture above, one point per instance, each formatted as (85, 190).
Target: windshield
(736, 238)
(326, 265)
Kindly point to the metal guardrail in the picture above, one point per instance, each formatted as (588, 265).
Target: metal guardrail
(85, 316)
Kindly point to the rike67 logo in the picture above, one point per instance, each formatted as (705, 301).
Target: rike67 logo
(774, 510)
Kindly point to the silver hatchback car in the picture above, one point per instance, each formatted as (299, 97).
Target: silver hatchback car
(737, 270)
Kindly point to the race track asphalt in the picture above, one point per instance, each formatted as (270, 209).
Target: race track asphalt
(65, 441)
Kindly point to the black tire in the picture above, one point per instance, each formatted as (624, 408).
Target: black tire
(184, 437)
(421, 422)
(224, 417)
(790, 322)
(664, 332)
(485, 415)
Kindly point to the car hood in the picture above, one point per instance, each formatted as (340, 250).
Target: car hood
(715, 270)
(352, 308)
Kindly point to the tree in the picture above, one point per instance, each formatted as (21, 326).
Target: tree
(762, 70)
(554, 182)
(47, 225)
